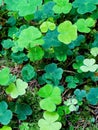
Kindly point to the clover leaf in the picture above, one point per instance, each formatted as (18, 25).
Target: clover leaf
(62, 6)
(85, 6)
(35, 53)
(94, 51)
(47, 25)
(24, 126)
(19, 57)
(83, 25)
(79, 63)
(52, 95)
(24, 7)
(5, 114)
(49, 122)
(45, 11)
(89, 65)
(72, 104)
(67, 32)
(4, 76)
(92, 96)
(80, 94)
(27, 72)
(7, 43)
(51, 40)
(72, 81)
(30, 37)
(53, 74)
(23, 110)
(6, 128)
(14, 90)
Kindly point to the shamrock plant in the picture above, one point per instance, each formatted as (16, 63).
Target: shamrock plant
(27, 72)
(94, 51)
(62, 6)
(49, 122)
(72, 81)
(53, 74)
(80, 94)
(85, 6)
(71, 105)
(47, 25)
(92, 96)
(84, 25)
(67, 32)
(5, 114)
(25, 7)
(89, 65)
(14, 90)
(30, 37)
(52, 95)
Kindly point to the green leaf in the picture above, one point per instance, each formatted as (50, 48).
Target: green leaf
(85, 6)
(49, 121)
(7, 43)
(4, 112)
(72, 81)
(94, 51)
(15, 90)
(30, 37)
(51, 40)
(4, 76)
(89, 65)
(92, 96)
(80, 94)
(25, 7)
(35, 53)
(23, 110)
(27, 72)
(24, 126)
(53, 74)
(62, 6)
(83, 25)
(6, 128)
(68, 32)
(47, 25)
(52, 95)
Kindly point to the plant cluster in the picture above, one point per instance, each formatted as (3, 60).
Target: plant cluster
(48, 54)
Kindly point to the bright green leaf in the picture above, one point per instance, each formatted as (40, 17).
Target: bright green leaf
(94, 51)
(6, 128)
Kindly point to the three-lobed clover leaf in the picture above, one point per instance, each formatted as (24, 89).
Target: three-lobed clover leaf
(53, 74)
(24, 7)
(4, 76)
(80, 94)
(67, 32)
(23, 110)
(83, 25)
(89, 65)
(94, 51)
(72, 81)
(35, 53)
(6, 128)
(7, 43)
(92, 96)
(52, 97)
(27, 72)
(72, 104)
(51, 40)
(49, 122)
(85, 6)
(47, 25)
(24, 126)
(14, 90)
(30, 37)
(5, 114)
(62, 6)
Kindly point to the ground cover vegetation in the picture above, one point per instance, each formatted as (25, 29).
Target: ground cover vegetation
(48, 64)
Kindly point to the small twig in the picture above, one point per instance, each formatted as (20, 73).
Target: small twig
(69, 71)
